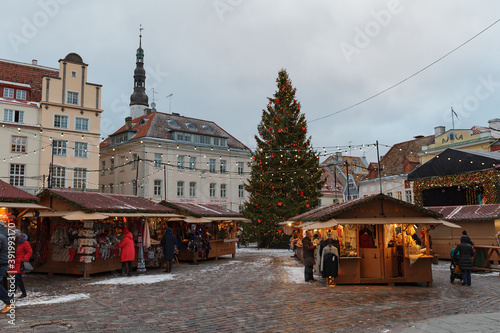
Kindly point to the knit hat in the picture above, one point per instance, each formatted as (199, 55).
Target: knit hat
(17, 232)
(464, 232)
(124, 230)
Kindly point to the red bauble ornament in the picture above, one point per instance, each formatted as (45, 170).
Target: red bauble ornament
(302, 193)
(307, 205)
(280, 203)
(277, 100)
(272, 187)
(298, 150)
(303, 128)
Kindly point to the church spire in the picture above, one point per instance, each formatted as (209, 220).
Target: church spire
(139, 99)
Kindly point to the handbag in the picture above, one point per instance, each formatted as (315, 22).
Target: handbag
(26, 267)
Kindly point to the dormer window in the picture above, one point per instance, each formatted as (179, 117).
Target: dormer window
(8, 92)
(208, 128)
(191, 126)
(173, 123)
(20, 94)
(142, 121)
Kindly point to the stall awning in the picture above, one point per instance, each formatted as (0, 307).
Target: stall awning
(22, 205)
(319, 225)
(396, 220)
(228, 219)
(192, 219)
(55, 214)
(79, 215)
(142, 214)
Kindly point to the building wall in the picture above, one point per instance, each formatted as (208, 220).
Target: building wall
(394, 186)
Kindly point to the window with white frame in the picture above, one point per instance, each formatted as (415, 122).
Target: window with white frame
(211, 165)
(59, 147)
(158, 160)
(241, 191)
(192, 189)
(157, 185)
(223, 190)
(192, 163)
(72, 97)
(103, 168)
(58, 176)
(8, 92)
(180, 162)
(81, 124)
(81, 149)
(240, 168)
(79, 178)
(187, 137)
(222, 166)
(111, 188)
(18, 144)
(17, 173)
(399, 195)
(408, 197)
(14, 116)
(60, 121)
(111, 166)
(21, 94)
(212, 190)
(180, 189)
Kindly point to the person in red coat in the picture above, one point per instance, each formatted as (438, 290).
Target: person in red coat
(23, 253)
(128, 251)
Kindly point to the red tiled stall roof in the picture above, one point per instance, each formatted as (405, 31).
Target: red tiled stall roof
(9, 193)
(201, 209)
(468, 212)
(105, 202)
(328, 212)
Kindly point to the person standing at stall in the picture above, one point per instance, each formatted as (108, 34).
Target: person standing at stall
(128, 251)
(308, 255)
(168, 243)
(465, 252)
(23, 253)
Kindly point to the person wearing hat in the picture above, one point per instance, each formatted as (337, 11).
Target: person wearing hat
(128, 251)
(465, 252)
(465, 238)
(4, 267)
(168, 243)
(308, 256)
(23, 253)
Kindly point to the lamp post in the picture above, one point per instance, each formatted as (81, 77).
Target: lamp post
(170, 103)
(51, 170)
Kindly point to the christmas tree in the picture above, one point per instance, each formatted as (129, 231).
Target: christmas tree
(285, 175)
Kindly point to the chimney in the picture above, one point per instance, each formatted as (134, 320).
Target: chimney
(147, 111)
(128, 123)
(338, 156)
(494, 124)
(34, 62)
(438, 130)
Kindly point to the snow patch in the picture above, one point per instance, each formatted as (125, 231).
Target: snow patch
(37, 300)
(133, 280)
(294, 274)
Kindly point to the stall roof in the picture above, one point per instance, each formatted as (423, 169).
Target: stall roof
(21, 205)
(456, 161)
(378, 220)
(469, 212)
(90, 202)
(9, 193)
(215, 212)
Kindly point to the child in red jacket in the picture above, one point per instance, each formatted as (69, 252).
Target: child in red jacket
(23, 253)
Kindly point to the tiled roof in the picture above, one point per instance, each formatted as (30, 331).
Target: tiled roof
(468, 212)
(329, 188)
(13, 194)
(105, 202)
(156, 125)
(201, 209)
(479, 129)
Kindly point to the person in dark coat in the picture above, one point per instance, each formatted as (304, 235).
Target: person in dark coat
(466, 252)
(308, 256)
(465, 238)
(128, 251)
(168, 243)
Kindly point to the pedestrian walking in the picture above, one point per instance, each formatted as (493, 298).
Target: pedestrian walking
(4, 267)
(128, 251)
(465, 252)
(23, 253)
(308, 256)
(169, 244)
(465, 238)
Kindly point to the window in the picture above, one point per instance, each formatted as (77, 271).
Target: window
(180, 136)
(111, 166)
(212, 165)
(223, 188)
(208, 128)
(60, 121)
(222, 166)
(79, 178)
(212, 190)
(58, 176)
(399, 195)
(103, 188)
(72, 97)
(192, 163)
(157, 187)
(21, 94)
(81, 124)
(389, 194)
(180, 162)
(111, 188)
(192, 189)
(191, 126)
(240, 168)
(180, 188)
(187, 137)
(134, 187)
(202, 139)
(103, 168)
(18, 144)
(73, 73)
(173, 123)
(13, 116)
(134, 161)
(16, 176)
(408, 196)
(59, 147)
(241, 191)
(81, 149)
(158, 158)
(8, 92)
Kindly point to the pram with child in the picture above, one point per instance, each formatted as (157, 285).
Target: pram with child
(455, 272)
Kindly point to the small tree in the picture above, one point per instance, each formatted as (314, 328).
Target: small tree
(285, 175)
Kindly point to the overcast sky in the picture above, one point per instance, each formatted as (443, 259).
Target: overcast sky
(220, 60)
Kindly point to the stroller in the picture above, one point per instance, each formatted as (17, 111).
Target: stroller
(455, 272)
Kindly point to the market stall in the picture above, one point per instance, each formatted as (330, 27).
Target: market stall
(80, 235)
(375, 240)
(208, 231)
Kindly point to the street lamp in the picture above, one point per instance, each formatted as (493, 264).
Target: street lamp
(51, 170)
(170, 102)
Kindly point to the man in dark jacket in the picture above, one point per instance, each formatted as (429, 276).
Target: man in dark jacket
(465, 238)
(466, 253)
(4, 266)
(308, 256)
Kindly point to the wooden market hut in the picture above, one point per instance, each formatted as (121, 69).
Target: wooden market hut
(219, 222)
(79, 235)
(391, 256)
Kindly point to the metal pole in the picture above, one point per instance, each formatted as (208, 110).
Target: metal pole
(137, 176)
(165, 181)
(141, 263)
(51, 164)
(347, 176)
(379, 171)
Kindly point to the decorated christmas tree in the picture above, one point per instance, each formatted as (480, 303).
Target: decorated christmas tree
(285, 175)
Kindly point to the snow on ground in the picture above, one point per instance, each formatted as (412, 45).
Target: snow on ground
(138, 279)
(265, 252)
(294, 274)
(37, 299)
